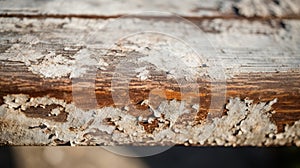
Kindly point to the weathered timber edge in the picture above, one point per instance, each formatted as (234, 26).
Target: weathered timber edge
(41, 48)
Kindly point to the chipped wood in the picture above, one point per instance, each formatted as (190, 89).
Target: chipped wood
(40, 50)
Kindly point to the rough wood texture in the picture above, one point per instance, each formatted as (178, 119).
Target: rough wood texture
(193, 8)
(249, 50)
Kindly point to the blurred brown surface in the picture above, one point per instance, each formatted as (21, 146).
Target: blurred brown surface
(176, 157)
(71, 157)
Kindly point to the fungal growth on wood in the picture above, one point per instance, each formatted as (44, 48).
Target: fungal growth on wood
(61, 68)
(245, 123)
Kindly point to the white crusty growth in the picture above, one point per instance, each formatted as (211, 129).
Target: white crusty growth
(244, 124)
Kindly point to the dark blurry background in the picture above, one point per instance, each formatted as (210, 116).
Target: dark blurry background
(95, 157)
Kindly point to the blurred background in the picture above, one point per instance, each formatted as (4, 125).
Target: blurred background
(178, 156)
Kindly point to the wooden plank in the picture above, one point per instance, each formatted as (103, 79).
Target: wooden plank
(192, 8)
(59, 76)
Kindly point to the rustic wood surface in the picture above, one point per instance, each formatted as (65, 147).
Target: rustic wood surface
(41, 45)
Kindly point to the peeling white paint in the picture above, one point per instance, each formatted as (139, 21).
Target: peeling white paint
(244, 124)
(248, 54)
(166, 53)
(191, 8)
(142, 73)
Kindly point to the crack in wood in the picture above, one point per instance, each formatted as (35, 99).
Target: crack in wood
(158, 18)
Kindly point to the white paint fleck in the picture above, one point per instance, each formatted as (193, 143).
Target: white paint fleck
(55, 111)
(142, 73)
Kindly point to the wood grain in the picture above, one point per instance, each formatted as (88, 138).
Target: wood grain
(258, 48)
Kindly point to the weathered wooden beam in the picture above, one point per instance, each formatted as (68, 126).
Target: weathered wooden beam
(228, 77)
(193, 8)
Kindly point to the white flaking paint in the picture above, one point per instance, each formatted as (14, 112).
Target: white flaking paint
(251, 53)
(195, 8)
(166, 53)
(244, 124)
(142, 73)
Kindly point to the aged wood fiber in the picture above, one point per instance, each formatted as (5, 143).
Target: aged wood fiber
(257, 43)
